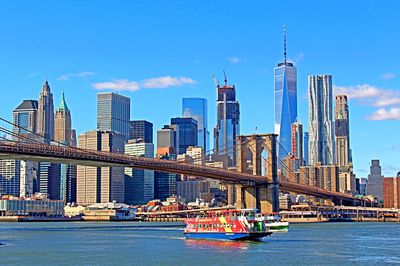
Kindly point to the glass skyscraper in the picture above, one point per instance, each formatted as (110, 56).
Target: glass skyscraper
(113, 113)
(228, 118)
(187, 133)
(285, 108)
(197, 109)
(25, 117)
(141, 129)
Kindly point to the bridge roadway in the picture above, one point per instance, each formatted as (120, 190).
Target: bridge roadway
(70, 155)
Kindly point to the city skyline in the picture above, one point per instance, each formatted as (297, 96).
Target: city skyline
(78, 79)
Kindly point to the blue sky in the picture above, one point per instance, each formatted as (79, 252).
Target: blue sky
(157, 52)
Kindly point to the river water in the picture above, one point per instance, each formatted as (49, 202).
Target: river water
(127, 243)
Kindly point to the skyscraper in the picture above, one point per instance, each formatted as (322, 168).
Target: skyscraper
(167, 140)
(305, 147)
(25, 116)
(141, 129)
(25, 123)
(10, 177)
(187, 128)
(164, 183)
(197, 109)
(113, 113)
(45, 114)
(391, 192)
(62, 119)
(321, 142)
(342, 136)
(139, 184)
(285, 104)
(375, 180)
(297, 144)
(100, 184)
(63, 133)
(49, 180)
(228, 119)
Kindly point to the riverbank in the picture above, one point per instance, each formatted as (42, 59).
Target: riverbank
(181, 220)
(334, 220)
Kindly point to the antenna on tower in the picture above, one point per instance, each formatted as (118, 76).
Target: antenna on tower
(284, 44)
(225, 79)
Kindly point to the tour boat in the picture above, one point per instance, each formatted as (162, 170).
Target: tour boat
(244, 224)
(274, 224)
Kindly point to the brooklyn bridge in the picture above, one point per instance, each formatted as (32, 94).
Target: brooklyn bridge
(246, 189)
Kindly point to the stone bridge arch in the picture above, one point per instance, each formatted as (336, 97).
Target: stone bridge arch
(266, 197)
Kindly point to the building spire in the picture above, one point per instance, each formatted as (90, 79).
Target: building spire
(63, 103)
(284, 44)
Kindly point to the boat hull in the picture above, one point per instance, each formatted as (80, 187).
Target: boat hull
(278, 227)
(227, 236)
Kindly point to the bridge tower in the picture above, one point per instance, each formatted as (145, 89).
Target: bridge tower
(249, 160)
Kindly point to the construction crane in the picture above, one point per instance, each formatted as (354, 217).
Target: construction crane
(215, 81)
(225, 79)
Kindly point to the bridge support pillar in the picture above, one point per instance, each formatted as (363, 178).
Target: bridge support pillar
(264, 199)
(250, 197)
(239, 197)
(231, 194)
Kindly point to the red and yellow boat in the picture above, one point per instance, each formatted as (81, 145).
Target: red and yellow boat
(227, 225)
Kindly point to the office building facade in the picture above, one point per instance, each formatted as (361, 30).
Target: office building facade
(25, 123)
(141, 130)
(25, 116)
(100, 184)
(375, 180)
(342, 133)
(139, 184)
(187, 133)
(167, 140)
(305, 147)
(391, 192)
(197, 109)
(113, 113)
(297, 144)
(45, 114)
(10, 177)
(321, 141)
(165, 183)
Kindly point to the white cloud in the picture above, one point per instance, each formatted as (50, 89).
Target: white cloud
(377, 96)
(387, 76)
(117, 85)
(383, 114)
(387, 101)
(165, 82)
(357, 91)
(79, 75)
(233, 59)
(151, 83)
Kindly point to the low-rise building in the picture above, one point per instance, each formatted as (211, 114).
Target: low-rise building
(31, 207)
(109, 211)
